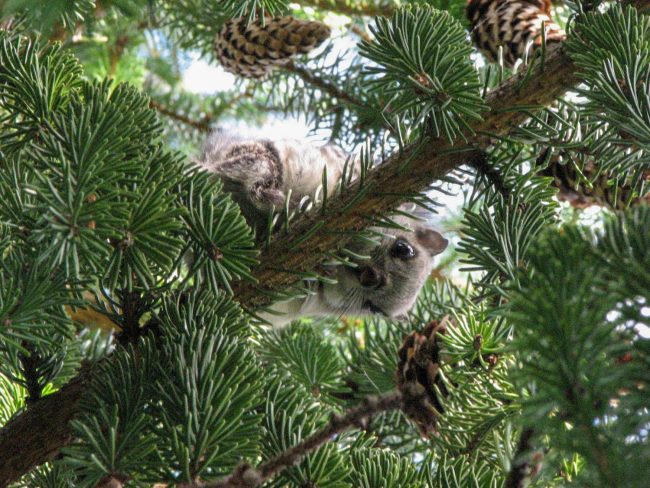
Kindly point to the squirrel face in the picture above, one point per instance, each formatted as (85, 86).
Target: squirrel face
(389, 281)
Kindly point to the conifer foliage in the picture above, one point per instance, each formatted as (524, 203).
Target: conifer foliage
(131, 353)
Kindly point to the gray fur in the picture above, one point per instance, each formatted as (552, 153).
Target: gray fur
(399, 285)
(261, 174)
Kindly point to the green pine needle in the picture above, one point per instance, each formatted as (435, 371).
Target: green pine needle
(423, 70)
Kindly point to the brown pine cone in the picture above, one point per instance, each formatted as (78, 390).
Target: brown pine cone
(515, 25)
(418, 373)
(254, 50)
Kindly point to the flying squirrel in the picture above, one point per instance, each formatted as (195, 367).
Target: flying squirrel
(261, 174)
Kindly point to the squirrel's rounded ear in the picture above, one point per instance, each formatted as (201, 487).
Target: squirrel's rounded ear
(431, 240)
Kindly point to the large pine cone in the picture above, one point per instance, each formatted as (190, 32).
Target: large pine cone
(515, 25)
(253, 50)
(418, 375)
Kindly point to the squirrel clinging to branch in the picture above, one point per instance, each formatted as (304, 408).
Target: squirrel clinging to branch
(263, 174)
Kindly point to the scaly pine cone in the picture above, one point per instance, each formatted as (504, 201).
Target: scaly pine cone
(418, 373)
(512, 24)
(254, 50)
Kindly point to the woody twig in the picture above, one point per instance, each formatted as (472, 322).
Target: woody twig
(246, 476)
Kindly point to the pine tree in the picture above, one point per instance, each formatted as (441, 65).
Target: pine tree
(529, 364)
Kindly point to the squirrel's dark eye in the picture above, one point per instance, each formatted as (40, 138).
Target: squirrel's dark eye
(402, 250)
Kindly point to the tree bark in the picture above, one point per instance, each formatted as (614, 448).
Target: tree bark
(36, 435)
(525, 465)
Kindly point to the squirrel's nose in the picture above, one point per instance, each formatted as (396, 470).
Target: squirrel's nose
(369, 277)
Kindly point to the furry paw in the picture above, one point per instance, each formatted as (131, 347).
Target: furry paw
(264, 196)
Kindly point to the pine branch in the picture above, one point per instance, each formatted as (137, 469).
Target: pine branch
(428, 165)
(36, 435)
(491, 174)
(412, 170)
(29, 364)
(589, 185)
(324, 85)
(246, 476)
(202, 125)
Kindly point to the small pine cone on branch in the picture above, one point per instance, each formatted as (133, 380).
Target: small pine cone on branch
(254, 50)
(418, 375)
(513, 25)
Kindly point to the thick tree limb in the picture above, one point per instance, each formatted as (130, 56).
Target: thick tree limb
(37, 434)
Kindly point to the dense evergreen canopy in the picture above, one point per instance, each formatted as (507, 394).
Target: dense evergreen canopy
(122, 363)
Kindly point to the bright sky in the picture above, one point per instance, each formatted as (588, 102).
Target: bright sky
(204, 78)
(201, 77)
